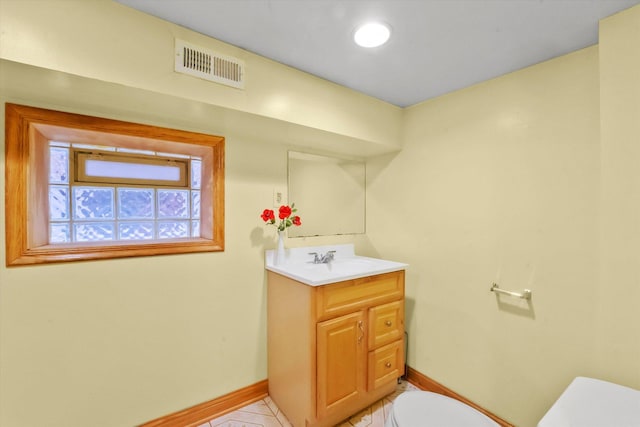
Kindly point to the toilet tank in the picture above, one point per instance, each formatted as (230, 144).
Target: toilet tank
(588, 402)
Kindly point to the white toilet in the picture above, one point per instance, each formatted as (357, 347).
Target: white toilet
(589, 402)
(426, 409)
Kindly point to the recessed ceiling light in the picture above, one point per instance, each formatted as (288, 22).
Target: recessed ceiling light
(372, 34)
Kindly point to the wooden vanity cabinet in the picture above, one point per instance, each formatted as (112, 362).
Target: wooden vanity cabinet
(333, 349)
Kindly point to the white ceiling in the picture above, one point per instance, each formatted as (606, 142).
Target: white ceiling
(436, 46)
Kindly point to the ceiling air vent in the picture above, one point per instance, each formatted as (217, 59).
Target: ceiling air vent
(206, 64)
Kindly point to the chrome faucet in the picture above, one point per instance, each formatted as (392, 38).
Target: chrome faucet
(322, 259)
(328, 257)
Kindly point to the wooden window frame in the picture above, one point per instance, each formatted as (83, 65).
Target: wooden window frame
(28, 131)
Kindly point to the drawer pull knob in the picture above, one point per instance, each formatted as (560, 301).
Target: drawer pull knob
(388, 364)
(388, 323)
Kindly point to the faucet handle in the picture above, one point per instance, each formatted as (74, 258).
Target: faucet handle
(328, 257)
(316, 259)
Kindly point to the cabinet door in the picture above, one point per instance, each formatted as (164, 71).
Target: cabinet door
(341, 359)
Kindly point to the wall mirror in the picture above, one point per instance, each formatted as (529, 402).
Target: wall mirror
(329, 193)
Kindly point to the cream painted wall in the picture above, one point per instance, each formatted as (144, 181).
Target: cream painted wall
(121, 342)
(115, 343)
(498, 182)
(82, 38)
(509, 182)
(618, 317)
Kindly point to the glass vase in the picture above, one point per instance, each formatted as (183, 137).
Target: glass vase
(280, 253)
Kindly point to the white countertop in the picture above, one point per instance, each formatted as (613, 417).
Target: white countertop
(298, 265)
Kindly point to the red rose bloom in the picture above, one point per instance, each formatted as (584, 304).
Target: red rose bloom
(268, 215)
(286, 215)
(285, 212)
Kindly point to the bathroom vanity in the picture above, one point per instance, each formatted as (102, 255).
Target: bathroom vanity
(335, 334)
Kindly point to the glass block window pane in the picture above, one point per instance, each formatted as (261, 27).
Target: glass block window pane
(173, 203)
(135, 203)
(93, 231)
(173, 229)
(58, 202)
(195, 204)
(196, 174)
(92, 202)
(88, 213)
(58, 165)
(135, 230)
(59, 233)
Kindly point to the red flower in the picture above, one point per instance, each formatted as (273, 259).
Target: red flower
(268, 215)
(285, 212)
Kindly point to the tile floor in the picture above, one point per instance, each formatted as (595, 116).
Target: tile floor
(265, 413)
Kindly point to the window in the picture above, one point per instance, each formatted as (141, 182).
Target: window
(82, 187)
(101, 193)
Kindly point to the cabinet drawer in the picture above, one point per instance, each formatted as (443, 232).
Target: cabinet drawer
(385, 364)
(352, 295)
(386, 323)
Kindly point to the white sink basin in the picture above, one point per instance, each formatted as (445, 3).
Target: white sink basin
(346, 265)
